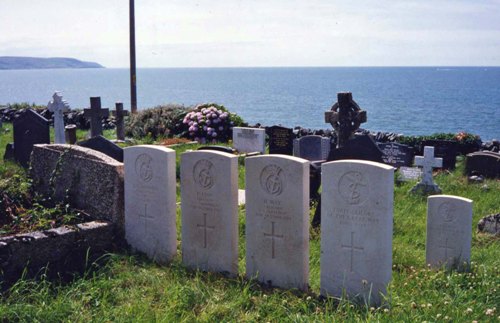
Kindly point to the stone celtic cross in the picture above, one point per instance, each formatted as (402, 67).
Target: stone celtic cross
(95, 113)
(58, 106)
(119, 114)
(427, 162)
(345, 116)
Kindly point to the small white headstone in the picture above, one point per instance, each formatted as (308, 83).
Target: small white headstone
(249, 140)
(277, 220)
(58, 106)
(449, 231)
(150, 192)
(356, 229)
(209, 194)
(427, 162)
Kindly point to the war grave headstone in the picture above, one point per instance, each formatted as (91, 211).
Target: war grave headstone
(105, 146)
(449, 231)
(249, 140)
(277, 220)
(396, 154)
(120, 114)
(150, 205)
(30, 128)
(361, 147)
(345, 116)
(427, 162)
(356, 232)
(484, 163)
(445, 149)
(313, 147)
(58, 106)
(280, 140)
(95, 113)
(209, 204)
(90, 179)
(409, 173)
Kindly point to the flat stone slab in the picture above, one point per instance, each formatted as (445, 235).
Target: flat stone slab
(449, 231)
(150, 193)
(248, 140)
(209, 194)
(277, 220)
(356, 229)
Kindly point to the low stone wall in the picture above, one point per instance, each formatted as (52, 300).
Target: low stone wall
(62, 250)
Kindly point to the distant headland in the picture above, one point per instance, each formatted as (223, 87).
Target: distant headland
(22, 63)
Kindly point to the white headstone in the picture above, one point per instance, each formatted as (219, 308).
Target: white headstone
(249, 140)
(150, 209)
(277, 220)
(209, 195)
(427, 162)
(449, 231)
(356, 229)
(58, 106)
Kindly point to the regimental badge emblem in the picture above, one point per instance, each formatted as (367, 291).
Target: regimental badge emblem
(272, 180)
(447, 211)
(204, 174)
(143, 167)
(353, 188)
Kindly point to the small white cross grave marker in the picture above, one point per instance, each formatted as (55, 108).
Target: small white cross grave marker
(427, 162)
(58, 106)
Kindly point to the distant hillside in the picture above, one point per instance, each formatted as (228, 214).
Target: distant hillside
(18, 63)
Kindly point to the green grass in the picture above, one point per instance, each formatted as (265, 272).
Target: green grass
(129, 287)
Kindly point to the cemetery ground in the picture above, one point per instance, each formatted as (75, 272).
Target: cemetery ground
(128, 287)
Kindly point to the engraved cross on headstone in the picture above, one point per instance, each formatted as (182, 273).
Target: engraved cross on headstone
(273, 236)
(145, 216)
(119, 114)
(95, 113)
(58, 106)
(205, 227)
(352, 248)
(446, 248)
(345, 116)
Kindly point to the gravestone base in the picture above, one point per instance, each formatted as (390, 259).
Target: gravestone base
(425, 189)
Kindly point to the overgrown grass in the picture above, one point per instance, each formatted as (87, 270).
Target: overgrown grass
(129, 287)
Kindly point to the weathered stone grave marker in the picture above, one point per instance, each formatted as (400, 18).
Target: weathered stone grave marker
(105, 146)
(427, 162)
(313, 147)
(119, 122)
(150, 193)
(280, 140)
(30, 128)
(277, 220)
(449, 231)
(345, 117)
(409, 173)
(356, 229)
(95, 113)
(58, 106)
(361, 147)
(485, 163)
(249, 140)
(209, 195)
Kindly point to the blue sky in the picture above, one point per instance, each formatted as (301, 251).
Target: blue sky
(220, 33)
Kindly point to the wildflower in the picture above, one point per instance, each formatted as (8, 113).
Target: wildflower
(308, 298)
(490, 311)
(438, 315)
(413, 305)
(468, 310)
(386, 310)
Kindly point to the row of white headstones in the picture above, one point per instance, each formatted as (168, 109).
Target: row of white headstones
(356, 228)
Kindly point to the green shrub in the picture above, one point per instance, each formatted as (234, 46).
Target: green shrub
(161, 121)
(466, 142)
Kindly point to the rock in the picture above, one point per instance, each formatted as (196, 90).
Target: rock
(490, 224)
(476, 179)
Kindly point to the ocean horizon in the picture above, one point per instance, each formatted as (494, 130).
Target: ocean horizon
(408, 100)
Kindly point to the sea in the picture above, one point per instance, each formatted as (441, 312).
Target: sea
(406, 100)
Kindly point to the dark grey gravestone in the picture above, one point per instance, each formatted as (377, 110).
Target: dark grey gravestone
(483, 163)
(361, 147)
(119, 122)
(95, 113)
(446, 149)
(30, 128)
(311, 147)
(395, 154)
(9, 151)
(105, 146)
(223, 149)
(280, 140)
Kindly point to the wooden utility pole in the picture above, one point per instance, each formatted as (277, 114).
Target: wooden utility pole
(133, 78)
